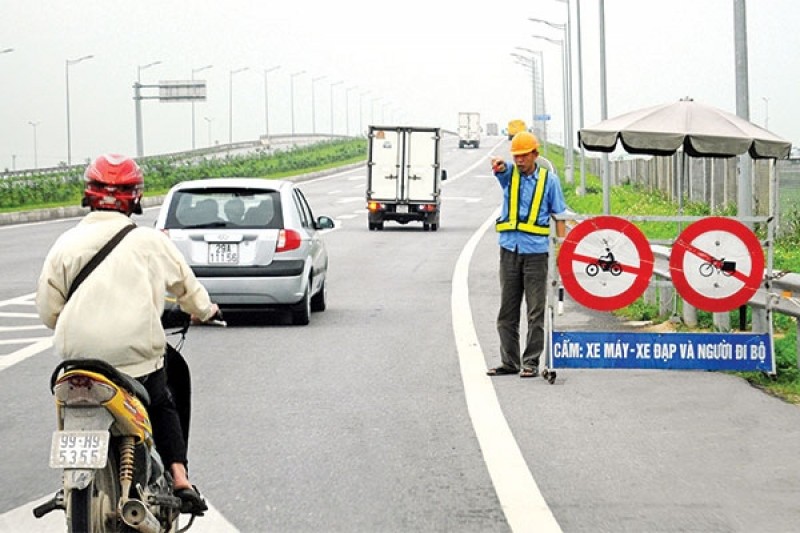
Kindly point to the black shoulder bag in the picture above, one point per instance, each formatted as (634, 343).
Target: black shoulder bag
(98, 258)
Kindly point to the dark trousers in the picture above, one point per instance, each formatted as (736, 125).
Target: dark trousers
(521, 275)
(167, 430)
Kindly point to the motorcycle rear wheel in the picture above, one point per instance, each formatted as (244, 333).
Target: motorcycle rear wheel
(94, 509)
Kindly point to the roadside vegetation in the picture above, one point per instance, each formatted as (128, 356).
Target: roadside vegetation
(66, 189)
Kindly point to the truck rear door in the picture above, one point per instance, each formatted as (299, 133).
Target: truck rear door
(385, 165)
(422, 165)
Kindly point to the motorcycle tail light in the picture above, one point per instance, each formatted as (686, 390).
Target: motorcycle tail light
(288, 239)
(83, 390)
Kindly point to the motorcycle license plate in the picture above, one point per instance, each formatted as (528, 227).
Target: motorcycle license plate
(79, 449)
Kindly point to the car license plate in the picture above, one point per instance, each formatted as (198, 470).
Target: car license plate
(225, 253)
(402, 209)
(79, 449)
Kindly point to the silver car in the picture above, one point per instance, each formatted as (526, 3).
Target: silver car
(253, 243)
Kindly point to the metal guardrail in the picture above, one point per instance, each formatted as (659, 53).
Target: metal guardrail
(271, 142)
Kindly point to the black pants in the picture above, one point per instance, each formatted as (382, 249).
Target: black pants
(167, 430)
(521, 276)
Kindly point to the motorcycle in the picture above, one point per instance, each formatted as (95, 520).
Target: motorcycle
(113, 477)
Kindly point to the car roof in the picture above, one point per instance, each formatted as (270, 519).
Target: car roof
(237, 183)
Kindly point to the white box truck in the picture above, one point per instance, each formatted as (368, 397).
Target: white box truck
(469, 129)
(404, 176)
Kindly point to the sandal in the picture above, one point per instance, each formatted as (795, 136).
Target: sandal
(501, 371)
(529, 373)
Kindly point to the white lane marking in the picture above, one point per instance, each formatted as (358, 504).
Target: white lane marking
(519, 495)
(13, 358)
(350, 199)
(22, 519)
(20, 340)
(21, 328)
(25, 299)
(4, 314)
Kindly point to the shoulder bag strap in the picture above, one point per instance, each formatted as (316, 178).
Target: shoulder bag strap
(98, 258)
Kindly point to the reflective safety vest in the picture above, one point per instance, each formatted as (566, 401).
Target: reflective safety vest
(512, 222)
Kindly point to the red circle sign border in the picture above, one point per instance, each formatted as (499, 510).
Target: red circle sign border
(694, 297)
(570, 244)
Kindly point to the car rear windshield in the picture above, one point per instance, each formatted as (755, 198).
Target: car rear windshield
(225, 208)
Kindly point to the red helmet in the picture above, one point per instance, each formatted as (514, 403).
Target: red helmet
(113, 183)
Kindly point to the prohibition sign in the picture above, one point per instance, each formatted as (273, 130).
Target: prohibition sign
(605, 263)
(717, 264)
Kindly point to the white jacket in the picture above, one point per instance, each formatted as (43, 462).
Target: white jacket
(115, 315)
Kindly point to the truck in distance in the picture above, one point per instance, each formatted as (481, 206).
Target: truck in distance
(469, 129)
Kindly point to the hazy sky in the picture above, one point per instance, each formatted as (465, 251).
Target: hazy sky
(409, 62)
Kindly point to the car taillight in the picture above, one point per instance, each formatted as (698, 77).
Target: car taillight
(374, 206)
(83, 390)
(288, 239)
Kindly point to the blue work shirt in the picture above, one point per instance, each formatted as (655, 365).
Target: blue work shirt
(553, 203)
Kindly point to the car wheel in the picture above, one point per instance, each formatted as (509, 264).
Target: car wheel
(320, 300)
(301, 311)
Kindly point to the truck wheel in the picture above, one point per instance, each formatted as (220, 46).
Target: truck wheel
(379, 226)
(426, 226)
(434, 226)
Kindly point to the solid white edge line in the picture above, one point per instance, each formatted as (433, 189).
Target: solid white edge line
(522, 501)
(11, 359)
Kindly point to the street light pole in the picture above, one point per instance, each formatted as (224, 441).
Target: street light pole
(230, 102)
(208, 120)
(568, 159)
(35, 154)
(566, 52)
(332, 86)
(195, 71)
(372, 110)
(266, 98)
(582, 189)
(138, 99)
(140, 68)
(69, 128)
(313, 106)
(766, 112)
(360, 112)
(291, 93)
(347, 108)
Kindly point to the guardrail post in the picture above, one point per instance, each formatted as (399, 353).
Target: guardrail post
(666, 294)
(722, 321)
(689, 314)
(759, 320)
(797, 345)
(650, 295)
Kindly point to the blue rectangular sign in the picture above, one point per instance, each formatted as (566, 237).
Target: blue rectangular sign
(740, 352)
(541, 117)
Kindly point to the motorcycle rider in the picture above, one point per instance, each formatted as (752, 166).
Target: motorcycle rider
(115, 314)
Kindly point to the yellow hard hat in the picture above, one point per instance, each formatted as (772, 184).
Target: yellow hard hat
(524, 142)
